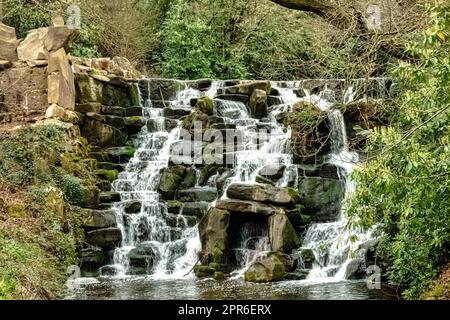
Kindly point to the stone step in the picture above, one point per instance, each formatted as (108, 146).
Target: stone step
(195, 209)
(120, 154)
(233, 97)
(181, 221)
(105, 206)
(110, 166)
(113, 111)
(134, 124)
(104, 238)
(103, 185)
(98, 219)
(176, 113)
(198, 195)
(109, 197)
(242, 206)
(263, 193)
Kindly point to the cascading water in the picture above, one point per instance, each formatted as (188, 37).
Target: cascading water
(170, 242)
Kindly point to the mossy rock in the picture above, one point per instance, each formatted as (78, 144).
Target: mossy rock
(205, 105)
(203, 271)
(170, 181)
(266, 269)
(109, 175)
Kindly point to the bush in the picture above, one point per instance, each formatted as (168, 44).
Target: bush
(73, 190)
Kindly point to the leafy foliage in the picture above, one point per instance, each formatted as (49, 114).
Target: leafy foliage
(406, 186)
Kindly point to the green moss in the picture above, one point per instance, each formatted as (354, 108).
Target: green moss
(205, 105)
(109, 175)
(294, 195)
(134, 94)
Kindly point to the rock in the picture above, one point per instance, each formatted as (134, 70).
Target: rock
(203, 271)
(92, 258)
(122, 67)
(37, 63)
(265, 269)
(161, 89)
(58, 21)
(8, 43)
(133, 111)
(109, 175)
(105, 238)
(142, 258)
(101, 134)
(233, 97)
(113, 121)
(101, 63)
(213, 235)
(39, 42)
(240, 206)
(306, 258)
(91, 107)
(258, 104)
(170, 180)
(134, 124)
(120, 154)
(4, 64)
(321, 198)
(246, 87)
(98, 219)
(196, 209)
(219, 276)
(54, 111)
(263, 193)
(175, 113)
(329, 171)
(100, 77)
(355, 269)
(88, 89)
(282, 234)
(59, 37)
(112, 111)
(72, 117)
(297, 275)
(110, 271)
(91, 198)
(132, 207)
(108, 197)
(272, 172)
(198, 194)
(205, 105)
(61, 85)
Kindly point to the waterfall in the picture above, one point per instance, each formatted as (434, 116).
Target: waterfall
(171, 242)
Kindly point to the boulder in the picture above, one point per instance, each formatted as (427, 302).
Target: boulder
(263, 193)
(272, 172)
(120, 154)
(98, 219)
(213, 235)
(39, 42)
(251, 207)
(91, 107)
(91, 197)
(101, 63)
(61, 81)
(101, 134)
(265, 269)
(205, 105)
(54, 111)
(105, 238)
(170, 181)
(258, 104)
(88, 89)
(198, 195)
(8, 43)
(132, 207)
(122, 67)
(321, 197)
(197, 209)
(175, 113)
(282, 234)
(109, 197)
(142, 258)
